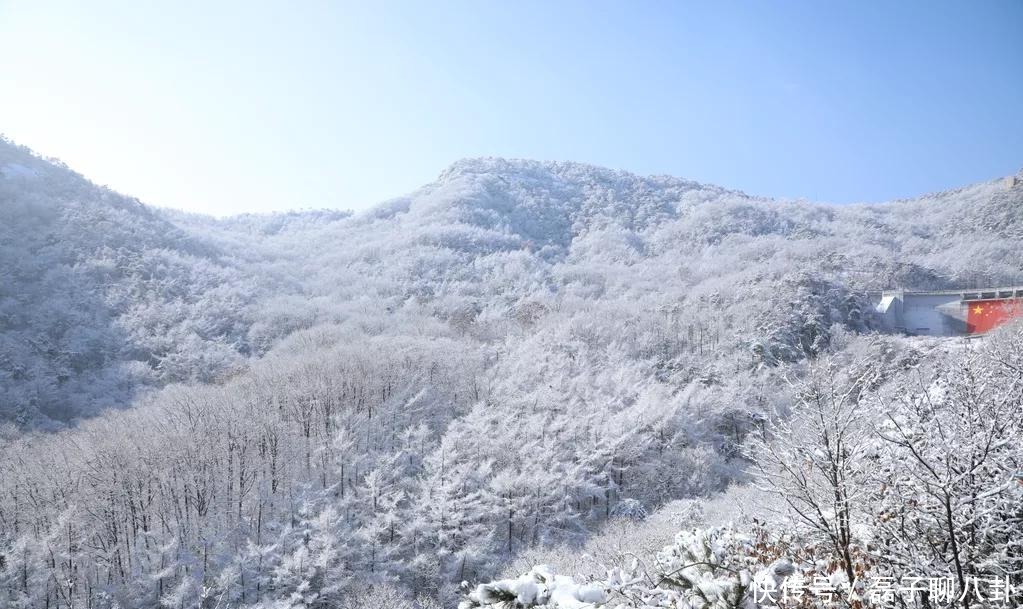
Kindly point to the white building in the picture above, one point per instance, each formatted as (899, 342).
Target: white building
(938, 313)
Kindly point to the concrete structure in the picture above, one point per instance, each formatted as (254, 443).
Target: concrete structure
(948, 312)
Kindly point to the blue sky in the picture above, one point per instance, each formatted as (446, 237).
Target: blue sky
(225, 108)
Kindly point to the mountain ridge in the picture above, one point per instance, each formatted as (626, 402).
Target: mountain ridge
(183, 297)
(306, 405)
(498, 166)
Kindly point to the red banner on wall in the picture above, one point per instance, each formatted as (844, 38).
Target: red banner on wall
(984, 315)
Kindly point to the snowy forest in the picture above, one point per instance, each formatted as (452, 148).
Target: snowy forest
(526, 384)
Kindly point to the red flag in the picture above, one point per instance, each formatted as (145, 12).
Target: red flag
(984, 315)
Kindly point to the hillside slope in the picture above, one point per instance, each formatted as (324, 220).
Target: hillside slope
(99, 295)
(410, 396)
(103, 294)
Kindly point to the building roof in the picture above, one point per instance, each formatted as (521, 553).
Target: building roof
(965, 294)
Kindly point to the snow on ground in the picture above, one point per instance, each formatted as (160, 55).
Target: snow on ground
(540, 586)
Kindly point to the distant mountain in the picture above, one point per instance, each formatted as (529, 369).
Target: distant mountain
(102, 295)
(328, 408)
(482, 206)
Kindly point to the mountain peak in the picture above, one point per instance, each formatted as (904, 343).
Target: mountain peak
(512, 169)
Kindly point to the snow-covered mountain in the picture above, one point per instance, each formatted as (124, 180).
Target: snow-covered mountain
(307, 404)
(101, 295)
(162, 296)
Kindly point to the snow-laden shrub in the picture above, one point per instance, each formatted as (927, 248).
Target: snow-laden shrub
(713, 568)
(630, 508)
(540, 587)
(704, 568)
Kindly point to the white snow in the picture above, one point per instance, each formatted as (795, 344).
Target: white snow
(539, 587)
(17, 170)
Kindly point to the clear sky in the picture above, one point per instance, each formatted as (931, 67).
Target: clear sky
(224, 108)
